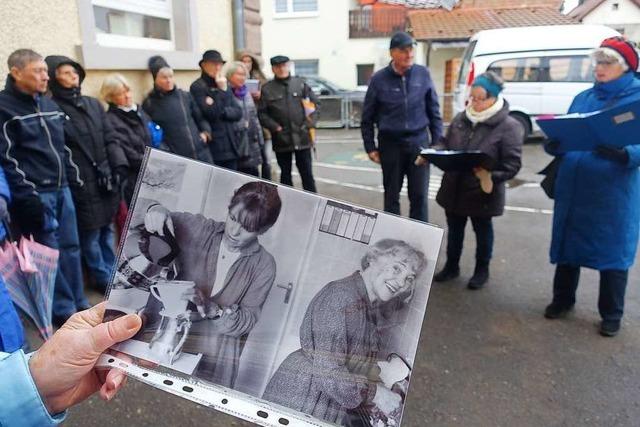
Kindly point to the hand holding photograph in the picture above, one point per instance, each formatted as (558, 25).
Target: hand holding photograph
(279, 299)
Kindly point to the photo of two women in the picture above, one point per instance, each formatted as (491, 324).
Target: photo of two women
(240, 286)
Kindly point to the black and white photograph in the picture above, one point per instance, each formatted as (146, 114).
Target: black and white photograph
(306, 303)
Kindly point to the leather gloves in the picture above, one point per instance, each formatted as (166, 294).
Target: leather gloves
(28, 212)
(4, 209)
(614, 154)
(120, 175)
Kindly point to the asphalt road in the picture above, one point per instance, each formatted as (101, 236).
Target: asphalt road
(486, 358)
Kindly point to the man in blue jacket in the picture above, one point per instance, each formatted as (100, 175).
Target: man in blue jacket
(402, 103)
(39, 169)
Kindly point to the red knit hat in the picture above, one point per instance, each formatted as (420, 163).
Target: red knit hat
(625, 48)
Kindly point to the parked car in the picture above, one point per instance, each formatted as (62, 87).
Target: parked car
(543, 67)
(324, 87)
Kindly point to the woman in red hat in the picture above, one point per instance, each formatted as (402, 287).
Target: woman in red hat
(596, 216)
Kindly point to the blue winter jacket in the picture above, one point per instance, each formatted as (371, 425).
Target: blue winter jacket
(20, 402)
(11, 332)
(405, 110)
(597, 201)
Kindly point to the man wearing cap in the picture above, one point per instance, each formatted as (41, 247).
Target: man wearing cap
(596, 215)
(282, 112)
(402, 103)
(219, 108)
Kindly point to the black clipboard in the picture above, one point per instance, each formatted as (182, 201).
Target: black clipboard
(458, 161)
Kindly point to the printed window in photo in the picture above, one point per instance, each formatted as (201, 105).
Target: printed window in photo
(306, 67)
(293, 8)
(135, 23)
(348, 222)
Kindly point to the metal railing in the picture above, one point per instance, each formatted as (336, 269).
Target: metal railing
(346, 112)
(376, 23)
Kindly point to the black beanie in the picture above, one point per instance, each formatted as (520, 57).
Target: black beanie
(156, 63)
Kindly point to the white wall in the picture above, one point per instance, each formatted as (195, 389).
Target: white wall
(324, 37)
(627, 16)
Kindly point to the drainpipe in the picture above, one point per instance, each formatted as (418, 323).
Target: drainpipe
(239, 42)
(428, 52)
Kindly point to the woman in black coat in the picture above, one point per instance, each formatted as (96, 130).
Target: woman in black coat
(185, 131)
(130, 123)
(486, 126)
(102, 165)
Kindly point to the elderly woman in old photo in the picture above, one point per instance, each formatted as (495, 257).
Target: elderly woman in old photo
(335, 369)
(232, 272)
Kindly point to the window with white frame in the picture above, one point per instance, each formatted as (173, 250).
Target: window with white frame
(306, 67)
(146, 24)
(123, 34)
(296, 7)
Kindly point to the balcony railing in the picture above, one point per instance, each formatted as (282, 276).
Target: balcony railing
(376, 22)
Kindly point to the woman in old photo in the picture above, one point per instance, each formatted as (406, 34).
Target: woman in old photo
(232, 272)
(335, 369)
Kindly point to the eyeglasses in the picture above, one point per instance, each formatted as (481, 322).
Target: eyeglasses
(474, 99)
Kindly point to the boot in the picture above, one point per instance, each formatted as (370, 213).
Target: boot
(449, 272)
(480, 276)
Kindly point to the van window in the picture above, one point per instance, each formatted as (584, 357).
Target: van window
(465, 65)
(573, 68)
(518, 70)
(567, 69)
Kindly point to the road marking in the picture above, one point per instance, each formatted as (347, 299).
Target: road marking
(403, 192)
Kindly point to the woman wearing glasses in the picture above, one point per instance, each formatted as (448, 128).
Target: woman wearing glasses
(479, 194)
(597, 196)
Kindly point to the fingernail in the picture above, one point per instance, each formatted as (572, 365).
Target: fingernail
(132, 322)
(115, 382)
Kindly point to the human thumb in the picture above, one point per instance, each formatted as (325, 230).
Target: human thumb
(107, 334)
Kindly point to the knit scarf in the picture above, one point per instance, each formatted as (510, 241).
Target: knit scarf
(239, 92)
(476, 117)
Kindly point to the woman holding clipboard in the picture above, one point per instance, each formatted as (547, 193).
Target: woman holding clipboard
(479, 194)
(597, 196)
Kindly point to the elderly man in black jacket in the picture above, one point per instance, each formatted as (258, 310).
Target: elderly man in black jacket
(39, 169)
(102, 162)
(402, 102)
(219, 108)
(281, 111)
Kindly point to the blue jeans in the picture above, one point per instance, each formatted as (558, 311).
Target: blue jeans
(98, 253)
(483, 228)
(61, 232)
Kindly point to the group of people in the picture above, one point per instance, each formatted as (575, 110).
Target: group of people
(596, 217)
(597, 209)
(71, 165)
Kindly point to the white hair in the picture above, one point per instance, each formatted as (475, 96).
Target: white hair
(111, 85)
(232, 67)
(606, 54)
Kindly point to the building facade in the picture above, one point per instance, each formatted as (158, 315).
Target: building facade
(120, 35)
(621, 15)
(338, 40)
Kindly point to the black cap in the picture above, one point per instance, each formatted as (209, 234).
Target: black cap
(156, 63)
(212, 56)
(400, 40)
(279, 59)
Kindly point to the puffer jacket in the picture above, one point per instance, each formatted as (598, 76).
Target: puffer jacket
(596, 216)
(222, 113)
(501, 138)
(32, 151)
(87, 131)
(133, 133)
(281, 105)
(181, 122)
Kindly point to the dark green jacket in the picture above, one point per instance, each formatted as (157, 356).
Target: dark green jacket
(281, 105)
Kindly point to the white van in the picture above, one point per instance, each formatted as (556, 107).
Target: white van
(543, 67)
